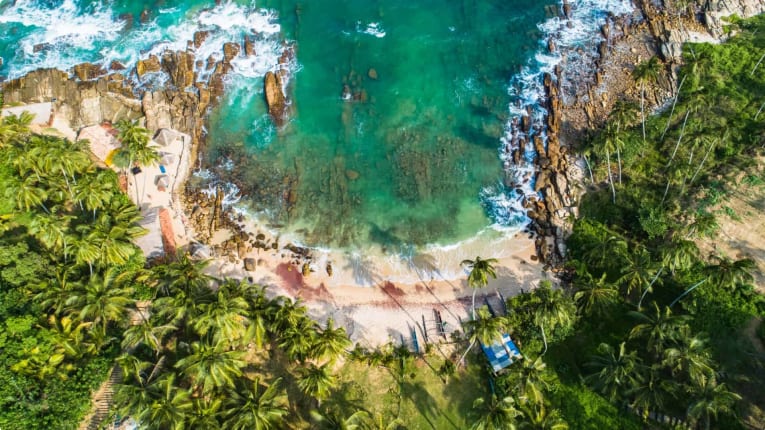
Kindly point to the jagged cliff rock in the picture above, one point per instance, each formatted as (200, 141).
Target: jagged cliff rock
(715, 10)
(90, 96)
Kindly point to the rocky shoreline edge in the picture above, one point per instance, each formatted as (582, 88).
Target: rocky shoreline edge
(576, 104)
(579, 104)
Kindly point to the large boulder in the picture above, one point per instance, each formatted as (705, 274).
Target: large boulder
(149, 65)
(180, 66)
(249, 46)
(230, 51)
(277, 102)
(199, 38)
(88, 71)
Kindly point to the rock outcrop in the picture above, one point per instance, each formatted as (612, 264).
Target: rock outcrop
(148, 65)
(277, 102)
(715, 10)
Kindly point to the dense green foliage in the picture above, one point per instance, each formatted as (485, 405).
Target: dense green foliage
(661, 323)
(65, 252)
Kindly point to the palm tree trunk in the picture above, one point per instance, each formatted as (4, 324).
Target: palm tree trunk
(473, 308)
(589, 169)
(682, 132)
(544, 338)
(68, 187)
(462, 359)
(619, 163)
(666, 190)
(674, 102)
(642, 109)
(703, 160)
(686, 292)
(610, 179)
(640, 303)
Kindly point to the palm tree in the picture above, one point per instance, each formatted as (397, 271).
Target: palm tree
(316, 381)
(145, 333)
(486, 329)
(330, 343)
(169, 406)
(610, 138)
(298, 340)
(334, 420)
(616, 371)
(69, 337)
(638, 270)
(728, 273)
(651, 392)
(594, 297)
(659, 328)
(646, 73)
(27, 193)
(52, 231)
(378, 421)
(111, 240)
(14, 126)
(690, 356)
(135, 145)
(206, 413)
(540, 418)
(554, 309)
(533, 380)
(182, 276)
(710, 398)
(225, 316)
(495, 414)
(54, 292)
(252, 407)
(212, 366)
(480, 270)
(102, 300)
(679, 255)
(94, 191)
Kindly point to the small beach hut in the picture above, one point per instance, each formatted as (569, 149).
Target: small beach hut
(501, 354)
(163, 181)
(166, 137)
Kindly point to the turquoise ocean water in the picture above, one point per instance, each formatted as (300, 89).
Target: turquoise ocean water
(413, 157)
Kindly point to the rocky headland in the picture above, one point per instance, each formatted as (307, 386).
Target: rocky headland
(579, 99)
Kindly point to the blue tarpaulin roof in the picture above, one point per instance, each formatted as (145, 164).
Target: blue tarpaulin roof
(497, 354)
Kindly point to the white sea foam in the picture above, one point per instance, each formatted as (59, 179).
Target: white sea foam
(69, 35)
(62, 35)
(578, 32)
(373, 29)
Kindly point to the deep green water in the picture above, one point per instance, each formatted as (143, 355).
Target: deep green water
(405, 164)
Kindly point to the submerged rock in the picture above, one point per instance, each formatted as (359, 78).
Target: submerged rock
(372, 74)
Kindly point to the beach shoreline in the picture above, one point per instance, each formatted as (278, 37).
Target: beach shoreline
(378, 297)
